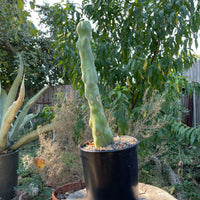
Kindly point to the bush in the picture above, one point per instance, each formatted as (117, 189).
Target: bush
(60, 149)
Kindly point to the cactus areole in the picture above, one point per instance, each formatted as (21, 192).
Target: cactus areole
(101, 132)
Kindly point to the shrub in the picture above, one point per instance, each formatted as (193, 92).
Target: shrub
(60, 150)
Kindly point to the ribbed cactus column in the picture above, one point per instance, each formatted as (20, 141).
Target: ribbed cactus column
(101, 132)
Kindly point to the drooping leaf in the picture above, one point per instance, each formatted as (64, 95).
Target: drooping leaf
(23, 113)
(9, 116)
(145, 65)
(27, 120)
(3, 96)
(14, 88)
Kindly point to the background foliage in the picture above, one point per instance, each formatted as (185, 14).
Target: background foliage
(18, 34)
(138, 45)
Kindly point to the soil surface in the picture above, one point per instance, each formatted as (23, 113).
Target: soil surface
(120, 142)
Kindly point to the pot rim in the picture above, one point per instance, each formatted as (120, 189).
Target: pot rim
(9, 153)
(22, 195)
(78, 185)
(82, 144)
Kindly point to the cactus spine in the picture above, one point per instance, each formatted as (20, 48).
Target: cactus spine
(101, 132)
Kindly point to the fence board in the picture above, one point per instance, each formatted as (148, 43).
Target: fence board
(193, 74)
(49, 97)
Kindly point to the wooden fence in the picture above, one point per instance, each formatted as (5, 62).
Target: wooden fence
(49, 97)
(193, 103)
(193, 74)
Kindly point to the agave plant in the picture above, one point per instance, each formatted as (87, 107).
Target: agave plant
(11, 120)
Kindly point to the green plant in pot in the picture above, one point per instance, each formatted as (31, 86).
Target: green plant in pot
(110, 171)
(11, 123)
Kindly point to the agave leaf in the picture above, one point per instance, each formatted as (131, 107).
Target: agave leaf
(9, 117)
(14, 88)
(3, 96)
(32, 136)
(18, 127)
(15, 130)
(27, 119)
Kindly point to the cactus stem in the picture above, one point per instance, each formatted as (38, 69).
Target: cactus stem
(101, 132)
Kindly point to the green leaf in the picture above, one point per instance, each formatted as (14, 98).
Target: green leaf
(182, 130)
(14, 88)
(13, 133)
(9, 117)
(3, 96)
(32, 5)
(27, 119)
(193, 137)
(145, 65)
(189, 132)
(20, 4)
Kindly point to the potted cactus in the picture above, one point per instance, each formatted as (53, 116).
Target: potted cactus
(11, 123)
(109, 163)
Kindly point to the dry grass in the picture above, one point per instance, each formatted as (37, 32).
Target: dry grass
(60, 152)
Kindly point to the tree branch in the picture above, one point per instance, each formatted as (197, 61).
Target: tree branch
(155, 52)
(9, 46)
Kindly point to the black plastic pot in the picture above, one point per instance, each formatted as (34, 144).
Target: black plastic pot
(8, 174)
(111, 174)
